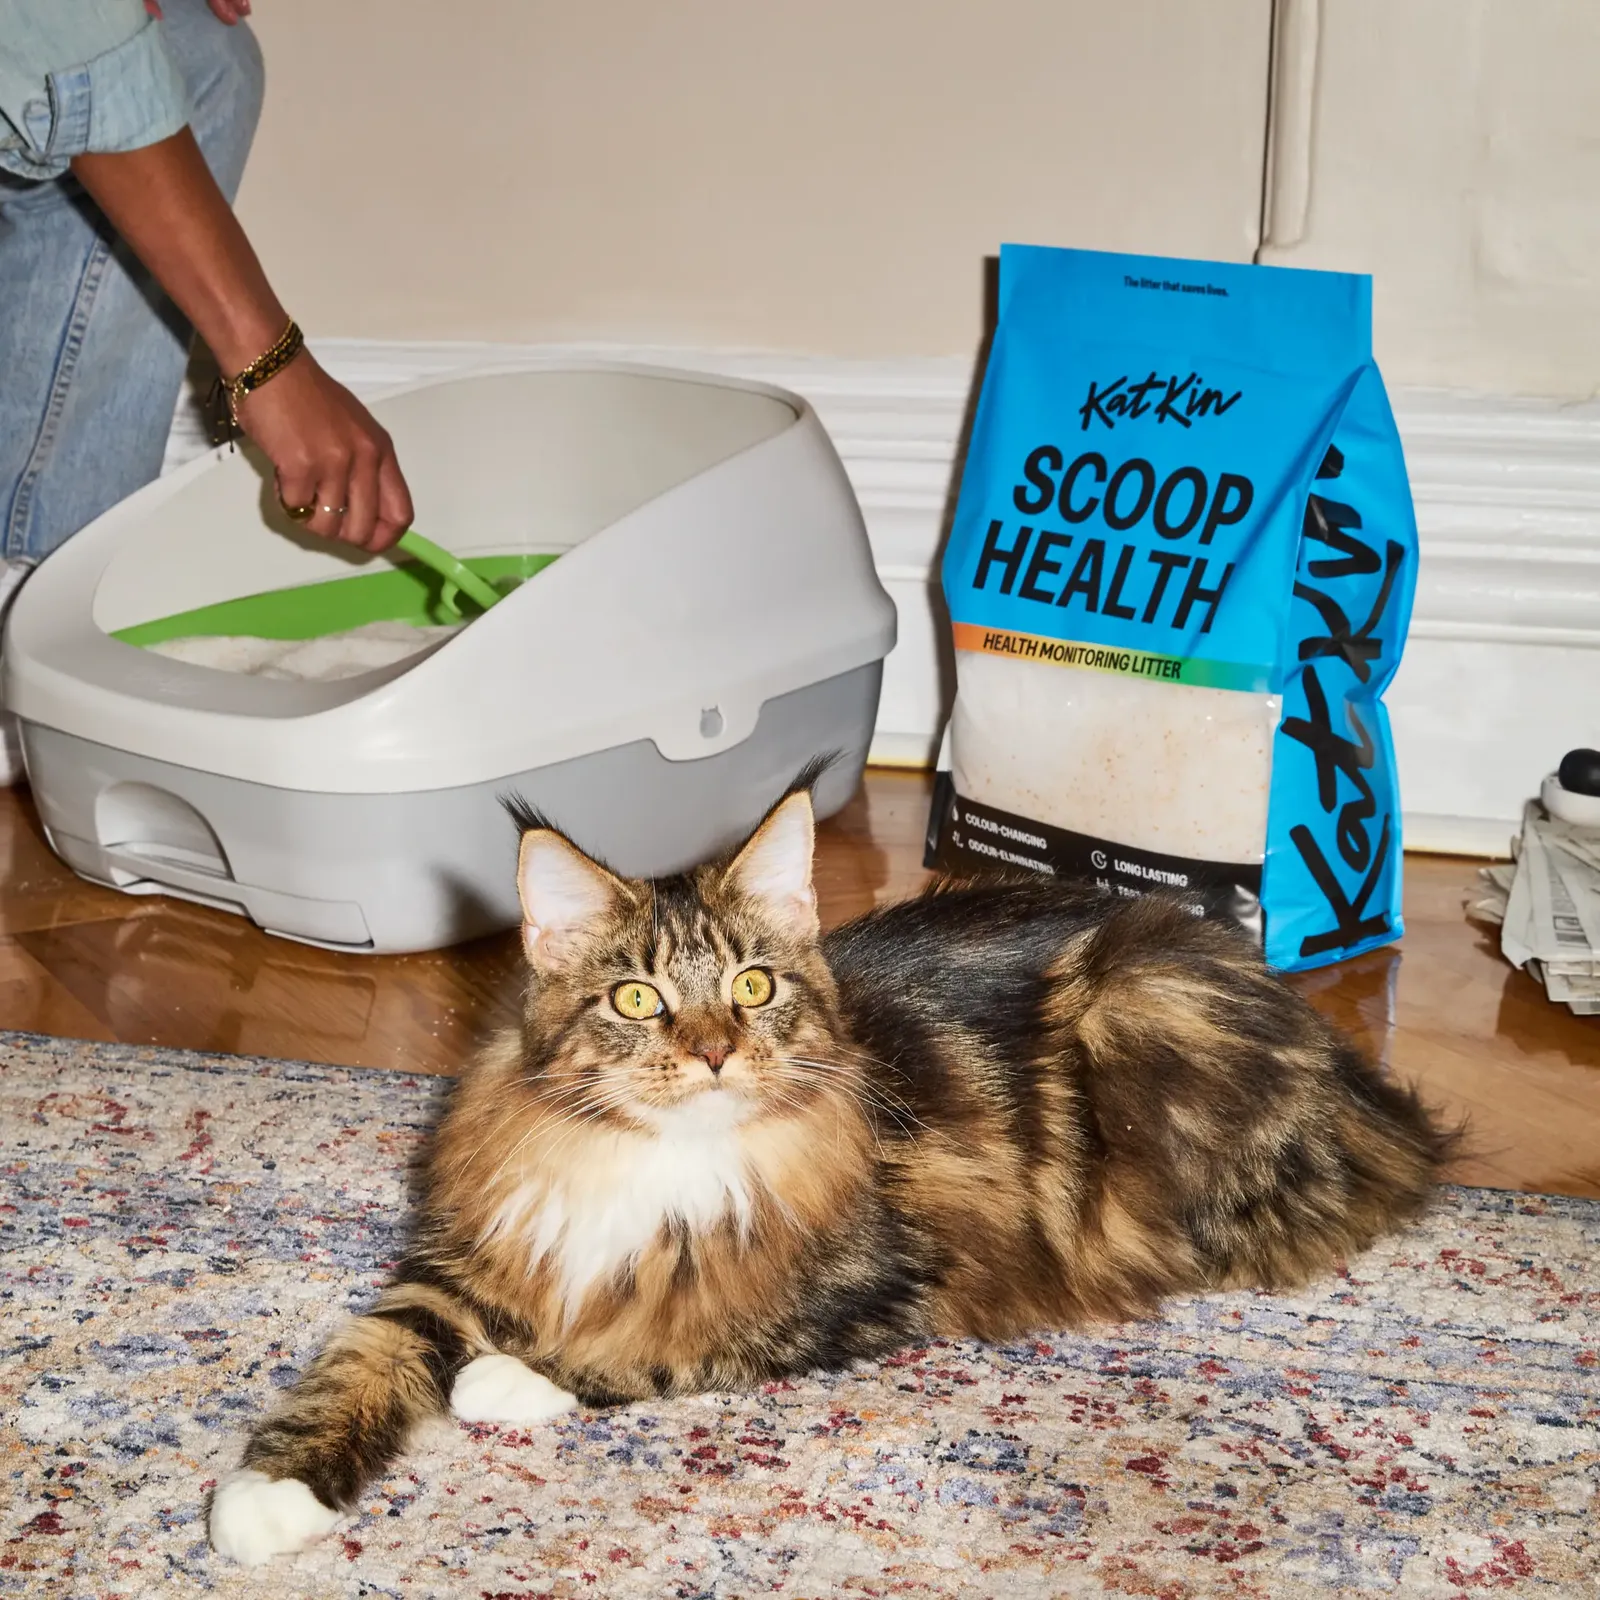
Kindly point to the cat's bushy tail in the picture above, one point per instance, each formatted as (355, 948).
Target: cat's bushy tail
(1259, 1141)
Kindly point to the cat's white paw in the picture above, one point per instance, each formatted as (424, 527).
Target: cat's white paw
(254, 1517)
(502, 1389)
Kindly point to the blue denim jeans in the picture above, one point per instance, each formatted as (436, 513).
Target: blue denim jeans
(92, 353)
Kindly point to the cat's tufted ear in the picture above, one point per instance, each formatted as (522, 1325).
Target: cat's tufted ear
(563, 893)
(774, 868)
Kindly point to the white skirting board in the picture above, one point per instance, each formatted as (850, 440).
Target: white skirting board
(1502, 671)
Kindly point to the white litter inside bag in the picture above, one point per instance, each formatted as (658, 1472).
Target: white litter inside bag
(1164, 767)
(325, 660)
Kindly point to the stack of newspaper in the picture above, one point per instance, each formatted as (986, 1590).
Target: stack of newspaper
(1547, 902)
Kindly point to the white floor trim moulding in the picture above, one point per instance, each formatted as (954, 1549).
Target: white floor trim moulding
(1502, 671)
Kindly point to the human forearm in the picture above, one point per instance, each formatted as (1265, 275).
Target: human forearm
(333, 462)
(164, 202)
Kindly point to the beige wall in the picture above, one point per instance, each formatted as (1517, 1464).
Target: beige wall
(823, 176)
(1456, 157)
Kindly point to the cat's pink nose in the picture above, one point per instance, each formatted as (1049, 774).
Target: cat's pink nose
(713, 1055)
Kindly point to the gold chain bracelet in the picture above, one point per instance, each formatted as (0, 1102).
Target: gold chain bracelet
(230, 391)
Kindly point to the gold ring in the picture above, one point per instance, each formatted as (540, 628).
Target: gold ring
(298, 513)
(335, 511)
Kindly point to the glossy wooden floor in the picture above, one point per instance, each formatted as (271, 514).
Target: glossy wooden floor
(1443, 1008)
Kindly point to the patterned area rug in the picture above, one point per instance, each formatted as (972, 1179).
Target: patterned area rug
(180, 1231)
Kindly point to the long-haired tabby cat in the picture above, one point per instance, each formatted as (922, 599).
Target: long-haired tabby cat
(722, 1150)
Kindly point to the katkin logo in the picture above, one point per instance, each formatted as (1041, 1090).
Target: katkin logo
(1350, 755)
(1172, 399)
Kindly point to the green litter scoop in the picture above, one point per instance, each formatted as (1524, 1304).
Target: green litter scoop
(456, 573)
(433, 588)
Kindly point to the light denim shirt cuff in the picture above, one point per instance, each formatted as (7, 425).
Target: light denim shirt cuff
(127, 98)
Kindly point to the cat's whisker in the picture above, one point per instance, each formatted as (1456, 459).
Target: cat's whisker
(469, 1161)
(527, 1138)
(493, 1135)
(857, 1093)
(786, 1102)
(874, 1093)
(573, 1119)
(574, 1123)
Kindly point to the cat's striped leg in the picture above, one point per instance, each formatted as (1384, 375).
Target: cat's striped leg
(344, 1421)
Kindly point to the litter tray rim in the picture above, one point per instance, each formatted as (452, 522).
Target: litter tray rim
(93, 547)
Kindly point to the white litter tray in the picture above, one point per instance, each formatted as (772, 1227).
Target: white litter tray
(712, 623)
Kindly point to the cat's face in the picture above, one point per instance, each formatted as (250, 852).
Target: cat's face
(702, 999)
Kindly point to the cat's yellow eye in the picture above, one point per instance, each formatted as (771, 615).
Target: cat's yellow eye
(753, 987)
(636, 1001)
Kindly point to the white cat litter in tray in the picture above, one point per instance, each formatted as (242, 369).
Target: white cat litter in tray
(330, 659)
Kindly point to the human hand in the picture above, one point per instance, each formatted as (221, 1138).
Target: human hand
(330, 454)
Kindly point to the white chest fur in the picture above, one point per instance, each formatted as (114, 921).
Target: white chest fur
(596, 1217)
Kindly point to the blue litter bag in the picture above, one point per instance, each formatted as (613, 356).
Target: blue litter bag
(1179, 577)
